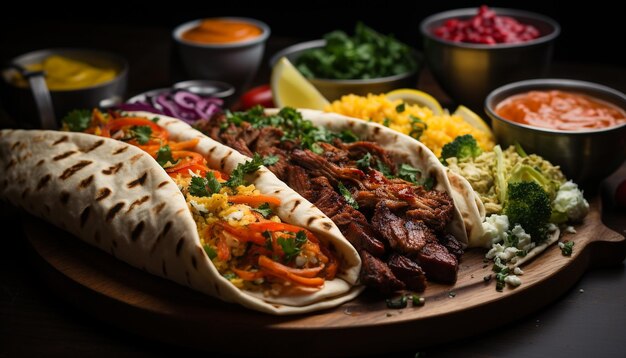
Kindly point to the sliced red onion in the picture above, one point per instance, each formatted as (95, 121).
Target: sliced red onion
(186, 99)
(138, 107)
(181, 104)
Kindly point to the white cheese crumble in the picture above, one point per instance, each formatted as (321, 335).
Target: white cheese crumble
(198, 208)
(235, 215)
(513, 280)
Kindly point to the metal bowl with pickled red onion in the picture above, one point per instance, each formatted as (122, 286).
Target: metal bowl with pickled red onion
(183, 101)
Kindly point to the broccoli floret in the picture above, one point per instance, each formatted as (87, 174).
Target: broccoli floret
(528, 205)
(524, 172)
(461, 147)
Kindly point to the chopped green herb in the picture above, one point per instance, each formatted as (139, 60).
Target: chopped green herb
(212, 183)
(386, 122)
(316, 148)
(364, 162)
(292, 247)
(418, 127)
(384, 169)
(417, 300)
(268, 240)
(230, 276)
(567, 248)
(346, 194)
(270, 160)
(141, 133)
(237, 175)
(487, 278)
(409, 173)
(500, 276)
(395, 303)
(264, 210)
(348, 136)
(198, 187)
(451, 294)
(78, 120)
(164, 157)
(400, 108)
(155, 119)
(210, 251)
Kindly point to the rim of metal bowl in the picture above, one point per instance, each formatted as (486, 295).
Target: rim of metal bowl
(426, 27)
(307, 45)
(588, 88)
(68, 52)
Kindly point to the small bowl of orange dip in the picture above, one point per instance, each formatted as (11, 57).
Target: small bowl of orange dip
(578, 125)
(228, 49)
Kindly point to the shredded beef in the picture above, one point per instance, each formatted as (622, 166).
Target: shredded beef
(404, 236)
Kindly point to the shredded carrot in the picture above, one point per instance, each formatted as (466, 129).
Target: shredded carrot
(275, 269)
(223, 252)
(248, 275)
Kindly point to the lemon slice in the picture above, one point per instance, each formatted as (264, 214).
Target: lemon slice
(411, 96)
(473, 119)
(290, 88)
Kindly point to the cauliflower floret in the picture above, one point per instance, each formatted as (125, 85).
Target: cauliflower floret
(569, 200)
(495, 227)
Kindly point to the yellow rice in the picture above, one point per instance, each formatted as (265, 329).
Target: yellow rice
(440, 129)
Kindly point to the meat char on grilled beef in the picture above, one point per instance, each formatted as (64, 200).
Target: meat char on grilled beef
(399, 227)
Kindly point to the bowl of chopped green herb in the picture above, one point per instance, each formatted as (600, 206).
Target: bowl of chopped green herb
(367, 62)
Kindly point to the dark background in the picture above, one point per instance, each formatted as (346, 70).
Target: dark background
(592, 32)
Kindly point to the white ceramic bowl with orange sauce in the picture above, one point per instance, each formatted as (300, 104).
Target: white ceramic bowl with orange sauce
(585, 155)
(233, 62)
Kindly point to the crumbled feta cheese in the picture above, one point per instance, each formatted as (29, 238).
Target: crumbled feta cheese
(518, 271)
(495, 227)
(300, 261)
(192, 173)
(570, 230)
(198, 208)
(570, 201)
(513, 280)
(235, 215)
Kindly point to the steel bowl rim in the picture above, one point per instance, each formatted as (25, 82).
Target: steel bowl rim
(265, 33)
(425, 24)
(301, 46)
(559, 83)
(123, 73)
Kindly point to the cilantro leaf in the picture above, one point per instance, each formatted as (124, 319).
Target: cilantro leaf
(164, 157)
(400, 108)
(212, 183)
(292, 247)
(78, 120)
(237, 175)
(141, 133)
(155, 119)
(198, 187)
(386, 122)
(270, 160)
(418, 127)
(264, 210)
(346, 194)
(210, 251)
(364, 162)
(408, 173)
(348, 136)
(381, 167)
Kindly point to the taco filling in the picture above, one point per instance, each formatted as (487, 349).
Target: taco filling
(237, 225)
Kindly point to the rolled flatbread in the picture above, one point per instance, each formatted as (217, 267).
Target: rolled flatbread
(116, 197)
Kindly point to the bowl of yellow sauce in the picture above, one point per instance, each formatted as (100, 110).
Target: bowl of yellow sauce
(75, 78)
(227, 49)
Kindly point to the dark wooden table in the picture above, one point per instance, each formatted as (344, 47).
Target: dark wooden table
(588, 320)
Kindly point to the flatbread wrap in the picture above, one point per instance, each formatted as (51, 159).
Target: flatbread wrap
(117, 197)
(389, 194)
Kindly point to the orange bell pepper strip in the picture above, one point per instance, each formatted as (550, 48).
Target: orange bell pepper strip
(243, 235)
(254, 200)
(248, 275)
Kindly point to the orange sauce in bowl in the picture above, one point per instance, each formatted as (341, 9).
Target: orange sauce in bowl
(220, 31)
(561, 110)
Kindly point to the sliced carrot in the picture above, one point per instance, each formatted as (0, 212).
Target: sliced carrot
(254, 200)
(187, 159)
(274, 226)
(243, 235)
(248, 275)
(275, 269)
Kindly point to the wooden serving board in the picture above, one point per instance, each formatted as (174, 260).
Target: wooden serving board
(138, 302)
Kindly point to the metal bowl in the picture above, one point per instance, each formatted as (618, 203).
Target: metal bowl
(584, 156)
(20, 102)
(467, 71)
(334, 89)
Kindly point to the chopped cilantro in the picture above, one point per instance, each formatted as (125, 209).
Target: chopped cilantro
(346, 194)
(408, 173)
(78, 120)
(230, 276)
(567, 248)
(155, 119)
(316, 148)
(418, 127)
(210, 251)
(268, 240)
(386, 122)
(364, 162)
(198, 187)
(237, 175)
(141, 133)
(264, 210)
(348, 136)
(164, 157)
(212, 183)
(400, 108)
(270, 160)
(292, 247)
(384, 169)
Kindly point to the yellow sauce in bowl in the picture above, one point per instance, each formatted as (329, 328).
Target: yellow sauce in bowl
(63, 73)
(221, 31)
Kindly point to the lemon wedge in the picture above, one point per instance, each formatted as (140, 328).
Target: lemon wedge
(411, 96)
(290, 88)
(474, 120)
